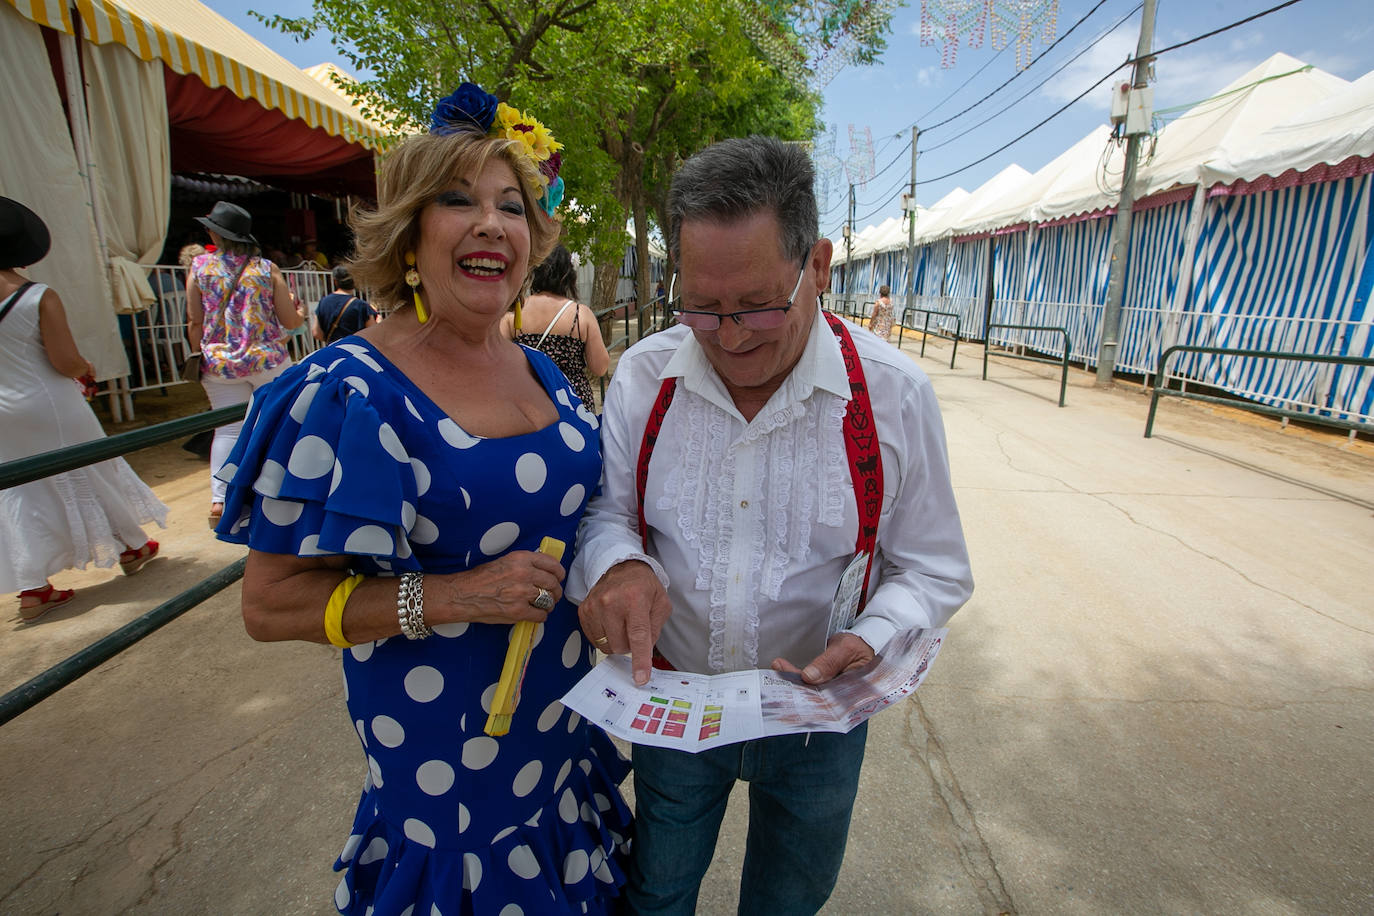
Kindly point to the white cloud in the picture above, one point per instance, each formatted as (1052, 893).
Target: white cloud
(1111, 51)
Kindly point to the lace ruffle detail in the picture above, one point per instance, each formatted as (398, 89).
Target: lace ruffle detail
(798, 465)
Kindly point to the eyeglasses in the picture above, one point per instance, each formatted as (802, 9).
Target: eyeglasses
(764, 319)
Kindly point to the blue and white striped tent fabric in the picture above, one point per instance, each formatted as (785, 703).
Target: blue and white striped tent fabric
(1289, 270)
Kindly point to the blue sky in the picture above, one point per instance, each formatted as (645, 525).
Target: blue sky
(910, 83)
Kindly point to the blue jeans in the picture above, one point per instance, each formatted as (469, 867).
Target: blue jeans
(801, 796)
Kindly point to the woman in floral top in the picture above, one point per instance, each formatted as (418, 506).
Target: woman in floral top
(239, 307)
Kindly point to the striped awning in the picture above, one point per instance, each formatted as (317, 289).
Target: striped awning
(192, 39)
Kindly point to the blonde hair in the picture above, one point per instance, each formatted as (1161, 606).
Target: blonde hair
(189, 253)
(412, 174)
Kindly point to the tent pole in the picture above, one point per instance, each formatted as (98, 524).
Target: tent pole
(1183, 290)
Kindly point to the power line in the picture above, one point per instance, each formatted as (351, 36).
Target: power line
(1225, 28)
(900, 156)
(1080, 96)
(1084, 50)
(1005, 84)
(940, 104)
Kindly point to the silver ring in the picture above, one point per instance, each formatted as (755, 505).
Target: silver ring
(543, 600)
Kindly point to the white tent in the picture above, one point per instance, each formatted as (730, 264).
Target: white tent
(1235, 118)
(1065, 170)
(1004, 183)
(154, 85)
(1328, 133)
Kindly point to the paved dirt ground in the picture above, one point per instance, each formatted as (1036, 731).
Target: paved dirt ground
(1157, 701)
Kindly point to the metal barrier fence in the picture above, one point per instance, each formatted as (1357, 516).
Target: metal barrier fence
(155, 339)
(1063, 362)
(36, 467)
(1161, 386)
(925, 330)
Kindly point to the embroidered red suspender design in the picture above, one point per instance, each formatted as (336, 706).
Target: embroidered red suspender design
(860, 445)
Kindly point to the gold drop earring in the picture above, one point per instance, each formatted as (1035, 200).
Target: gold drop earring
(413, 281)
(519, 300)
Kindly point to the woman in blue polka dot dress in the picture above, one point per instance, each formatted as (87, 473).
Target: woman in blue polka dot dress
(393, 489)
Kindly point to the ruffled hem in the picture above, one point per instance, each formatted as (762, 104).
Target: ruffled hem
(287, 489)
(567, 858)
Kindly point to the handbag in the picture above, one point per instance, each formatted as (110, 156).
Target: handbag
(191, 366)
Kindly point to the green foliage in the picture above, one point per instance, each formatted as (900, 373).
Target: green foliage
(630, 87)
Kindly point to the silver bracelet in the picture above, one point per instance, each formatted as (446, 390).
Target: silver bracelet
(410, 606)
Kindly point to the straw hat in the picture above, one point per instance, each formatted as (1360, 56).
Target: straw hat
(24, 237)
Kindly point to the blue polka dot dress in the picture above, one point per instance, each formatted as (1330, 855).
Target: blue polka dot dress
(344, 455)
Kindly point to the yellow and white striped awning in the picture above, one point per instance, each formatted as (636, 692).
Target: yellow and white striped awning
(190, 38)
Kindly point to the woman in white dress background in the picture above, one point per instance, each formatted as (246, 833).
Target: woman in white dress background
(91, 514)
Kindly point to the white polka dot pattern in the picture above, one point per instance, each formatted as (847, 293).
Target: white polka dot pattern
(310, 458)
(527, 779)
(419, 831)
(434, 777)
(523, 862)
(531, 472)
(478, 753)
(572, 500)
(424, 683)
(355, 468)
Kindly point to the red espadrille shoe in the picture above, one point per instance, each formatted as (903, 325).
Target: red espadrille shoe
(45, 599)
(133, 559)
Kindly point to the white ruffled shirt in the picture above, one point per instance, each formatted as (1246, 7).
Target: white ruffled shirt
(751, 524)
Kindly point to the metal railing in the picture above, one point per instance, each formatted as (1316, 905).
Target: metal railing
(925, 330)
(1063, 362)
(1161, 386)
(36, 467)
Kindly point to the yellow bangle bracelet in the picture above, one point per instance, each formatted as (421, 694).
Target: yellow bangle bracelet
(333, 611)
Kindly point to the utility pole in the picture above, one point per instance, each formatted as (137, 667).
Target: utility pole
(910, 206)
(1121, 230)
(848, 243)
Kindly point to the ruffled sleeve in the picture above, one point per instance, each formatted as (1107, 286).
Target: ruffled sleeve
(318, 471)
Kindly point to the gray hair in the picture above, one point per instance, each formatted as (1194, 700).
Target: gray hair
(736, 178)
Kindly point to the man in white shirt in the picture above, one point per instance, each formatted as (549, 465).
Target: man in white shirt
(742, 481)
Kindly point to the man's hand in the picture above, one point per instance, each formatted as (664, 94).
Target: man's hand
(624, 612)
(843, 652)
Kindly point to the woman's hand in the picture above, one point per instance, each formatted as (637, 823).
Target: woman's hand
(495, 592)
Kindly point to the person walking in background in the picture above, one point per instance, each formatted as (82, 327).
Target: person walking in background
(758, 455)
(393, 490)
(881, 321)
(87, 515)
(341, 313)
(553, 322)
(239, 308)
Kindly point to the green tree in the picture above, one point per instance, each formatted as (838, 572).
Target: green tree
(631, 87)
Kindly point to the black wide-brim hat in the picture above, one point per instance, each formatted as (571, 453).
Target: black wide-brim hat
(229, 221)
(24, 237)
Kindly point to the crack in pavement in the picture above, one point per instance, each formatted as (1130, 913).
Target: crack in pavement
(159, 803)
(1069, 487)
(974, 855)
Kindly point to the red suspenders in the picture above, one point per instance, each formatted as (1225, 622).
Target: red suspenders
(860, 445)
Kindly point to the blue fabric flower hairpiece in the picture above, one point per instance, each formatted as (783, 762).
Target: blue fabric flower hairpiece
(470, 108)
(467, 107)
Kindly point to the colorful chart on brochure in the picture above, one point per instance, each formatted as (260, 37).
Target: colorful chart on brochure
(693, 712)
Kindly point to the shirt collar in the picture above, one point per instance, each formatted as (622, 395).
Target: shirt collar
(821, 366)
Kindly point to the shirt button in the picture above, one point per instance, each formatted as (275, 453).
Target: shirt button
(744, 504)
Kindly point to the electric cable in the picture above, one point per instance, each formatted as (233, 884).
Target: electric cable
(1008, 81)
(1081, 95)
(1084, 50)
